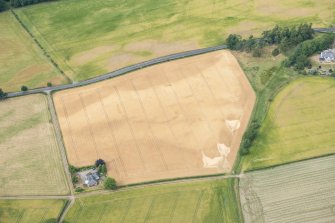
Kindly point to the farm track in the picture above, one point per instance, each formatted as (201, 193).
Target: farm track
(59, 140)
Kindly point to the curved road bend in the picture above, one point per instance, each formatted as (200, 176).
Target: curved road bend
(120, 71)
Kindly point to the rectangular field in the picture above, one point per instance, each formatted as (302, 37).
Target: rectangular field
(29, 155)
(177, 119)
(21, 61)
(300, 124)
(88, 38)
(302, 192)
(211, 201)
(30, 211)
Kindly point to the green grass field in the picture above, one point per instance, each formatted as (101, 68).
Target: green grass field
(21, 61)
(299, 124)
(208, 201)
(88, 38)
(301, 192)
(30, 159)
(29, 211)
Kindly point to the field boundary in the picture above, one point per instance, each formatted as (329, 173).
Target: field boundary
(238, 162)
(55, 65)
(288, 163)
(121, 71)
(60, 143)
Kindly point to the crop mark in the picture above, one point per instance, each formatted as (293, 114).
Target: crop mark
(149, 210)
(112, 131)
(130, 201)
(89, 125)
(150, 127)
(180, 106)
(198, 104)
(173, 209)
(197, 206)
(130, 127)
(166, 117)
(74, 144)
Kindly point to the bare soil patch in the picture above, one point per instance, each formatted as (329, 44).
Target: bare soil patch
(164, 121)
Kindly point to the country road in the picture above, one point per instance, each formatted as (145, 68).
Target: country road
(119, 72)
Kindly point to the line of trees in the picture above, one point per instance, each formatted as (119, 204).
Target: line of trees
(284, 37)
(249, 137)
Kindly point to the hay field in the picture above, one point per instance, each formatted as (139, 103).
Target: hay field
(88, 38)
(29, 211)
(29, 156)
(21, 61)
(176, 119)
(211, 201)
(299, 124)
(302, 192)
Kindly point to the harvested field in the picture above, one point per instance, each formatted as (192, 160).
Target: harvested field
(30, 211)
(29, 156)
(302, 192)
(177, 119)
(299, 125)
(212, 201)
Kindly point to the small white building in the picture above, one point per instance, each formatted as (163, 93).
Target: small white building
(327, 56)
(89, 177)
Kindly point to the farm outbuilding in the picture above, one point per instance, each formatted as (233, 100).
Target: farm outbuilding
(327, 55)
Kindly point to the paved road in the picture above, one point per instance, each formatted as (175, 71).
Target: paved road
(324, 30)
(136, 67)
(120, 71)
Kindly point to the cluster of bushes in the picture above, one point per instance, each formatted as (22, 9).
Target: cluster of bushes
(249, 137)
(101, 166)
(2, 94)
(285, 37)
(299, 57)
(74, 170)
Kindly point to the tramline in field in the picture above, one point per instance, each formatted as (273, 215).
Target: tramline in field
(177, 119)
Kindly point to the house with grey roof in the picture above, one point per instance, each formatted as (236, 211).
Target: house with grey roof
(89, 177)
(327, 56)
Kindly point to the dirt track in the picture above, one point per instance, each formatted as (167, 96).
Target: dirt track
(159, 122)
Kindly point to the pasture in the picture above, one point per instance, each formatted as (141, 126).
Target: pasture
(299, 125)
(176, 119)
(21, 61)
(301, 192)
(88, 38)
(29, 156)
(29, 211)
(208, 201)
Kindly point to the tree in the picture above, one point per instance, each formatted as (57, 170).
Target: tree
(102, 169)
(99, 162)
(275, 52)
(110, 184)
(234, 42)
(3, 6)
(49, 84)
(24, 88)
(2, 94)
